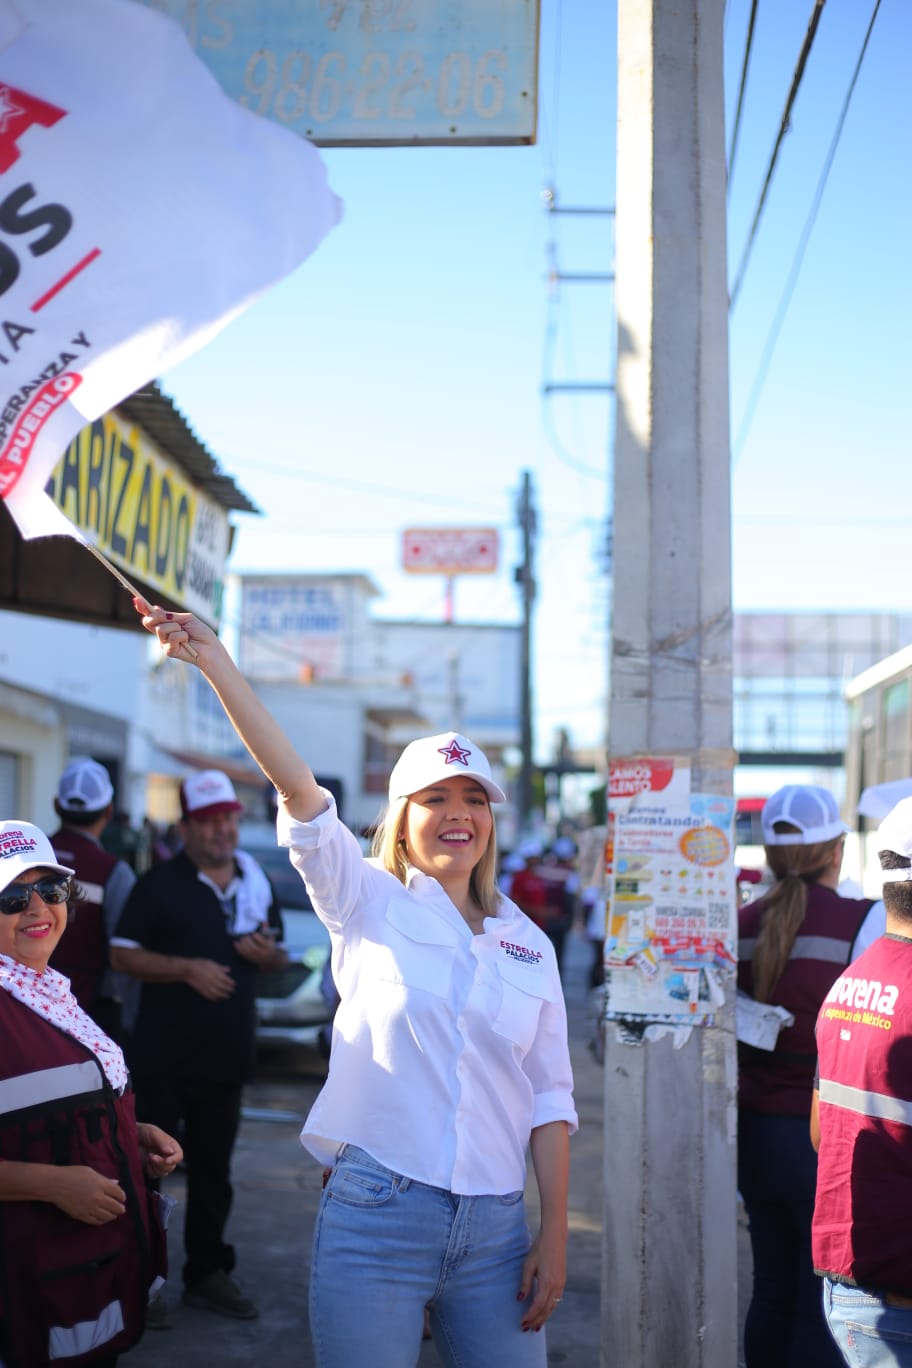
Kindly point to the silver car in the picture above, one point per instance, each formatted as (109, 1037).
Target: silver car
(294, 1003)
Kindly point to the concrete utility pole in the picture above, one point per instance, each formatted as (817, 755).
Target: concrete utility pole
(525, 578)
(670, 1270)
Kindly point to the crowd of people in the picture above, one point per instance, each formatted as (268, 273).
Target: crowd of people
(128, 1019)
(448, 1063)
(825, 1116)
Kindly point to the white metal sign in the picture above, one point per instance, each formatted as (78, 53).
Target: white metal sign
(449, 550)
(375, 72)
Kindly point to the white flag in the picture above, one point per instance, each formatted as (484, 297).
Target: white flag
(140, 210)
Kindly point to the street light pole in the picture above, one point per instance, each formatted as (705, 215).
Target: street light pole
(525, 578)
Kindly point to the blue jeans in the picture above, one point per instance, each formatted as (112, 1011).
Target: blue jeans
(777, 1177)
(870, 1332)
(386, 1246)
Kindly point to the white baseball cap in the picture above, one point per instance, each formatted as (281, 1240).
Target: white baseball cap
(24, 847)
(208, 793)
(431, 759)
(811, 809)
(84, 786)
(895, 833)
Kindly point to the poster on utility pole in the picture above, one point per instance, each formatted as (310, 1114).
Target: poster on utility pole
(671, 902)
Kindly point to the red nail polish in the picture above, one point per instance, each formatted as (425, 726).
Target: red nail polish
(169, 616)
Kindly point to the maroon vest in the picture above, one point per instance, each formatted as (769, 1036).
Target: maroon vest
(69, 1291)
(863, 1214)
(82, 953)
(780, 1082)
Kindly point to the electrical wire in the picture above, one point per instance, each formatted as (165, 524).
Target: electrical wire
(742, 86)
(338, 482)
(783, 129)
(798, 259)
(549, 350)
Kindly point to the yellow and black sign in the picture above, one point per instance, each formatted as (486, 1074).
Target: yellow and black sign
(144, 514)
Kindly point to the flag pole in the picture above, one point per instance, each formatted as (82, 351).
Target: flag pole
(130, 588)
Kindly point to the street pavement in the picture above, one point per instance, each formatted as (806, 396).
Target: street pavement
(277, 1190)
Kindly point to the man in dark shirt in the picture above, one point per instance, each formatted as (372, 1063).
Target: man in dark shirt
(196, 930)
(84, 803)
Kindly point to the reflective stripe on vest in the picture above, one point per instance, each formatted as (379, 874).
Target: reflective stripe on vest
(879, 1106)
(826, 948)
(68, 1341)
(49, 1085)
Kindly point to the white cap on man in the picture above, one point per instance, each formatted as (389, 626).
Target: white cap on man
(208, 793)
(895, 834)
(84, 786)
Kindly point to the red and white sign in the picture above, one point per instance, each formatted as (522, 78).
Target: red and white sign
(449, 550)
(140, 211)
(639, 774)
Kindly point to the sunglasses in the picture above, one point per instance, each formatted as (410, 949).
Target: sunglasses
(52, 889)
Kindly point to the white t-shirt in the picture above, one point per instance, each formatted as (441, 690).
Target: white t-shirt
(448, 1048)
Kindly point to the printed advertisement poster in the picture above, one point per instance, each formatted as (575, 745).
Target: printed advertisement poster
(671, 919)
(629, 779)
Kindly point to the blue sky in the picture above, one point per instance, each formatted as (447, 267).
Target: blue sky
(395, 379)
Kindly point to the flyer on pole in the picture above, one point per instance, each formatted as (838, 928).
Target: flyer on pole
(671, 895)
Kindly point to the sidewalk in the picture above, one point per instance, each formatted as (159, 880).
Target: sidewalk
(277, 1190)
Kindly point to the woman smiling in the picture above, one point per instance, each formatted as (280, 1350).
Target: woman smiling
(449, 1057)
(81, 1245)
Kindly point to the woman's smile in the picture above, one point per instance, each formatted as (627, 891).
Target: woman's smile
(31, 937)
(448, 827)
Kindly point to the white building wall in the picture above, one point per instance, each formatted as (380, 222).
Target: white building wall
(33, 733)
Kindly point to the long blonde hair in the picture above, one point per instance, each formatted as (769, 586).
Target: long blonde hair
(794, 866)
(389, 848)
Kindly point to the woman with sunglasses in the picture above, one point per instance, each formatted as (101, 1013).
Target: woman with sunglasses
(81, 1242)
(449, 1057)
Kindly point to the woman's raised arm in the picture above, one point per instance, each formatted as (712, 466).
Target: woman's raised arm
(185, 638)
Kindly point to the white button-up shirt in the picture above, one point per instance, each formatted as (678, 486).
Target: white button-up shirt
(448, 1048)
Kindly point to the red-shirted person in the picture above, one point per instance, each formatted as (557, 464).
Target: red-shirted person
(861, 1122)
(792, 943)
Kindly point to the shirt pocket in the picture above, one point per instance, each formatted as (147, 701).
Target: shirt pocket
(524, 990)
(416, 951)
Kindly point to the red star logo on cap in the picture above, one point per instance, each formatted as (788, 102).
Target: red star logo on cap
(454, 754)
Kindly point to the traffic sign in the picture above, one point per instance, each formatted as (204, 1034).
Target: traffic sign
(356, 73)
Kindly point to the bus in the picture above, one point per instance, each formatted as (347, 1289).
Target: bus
(878, 751)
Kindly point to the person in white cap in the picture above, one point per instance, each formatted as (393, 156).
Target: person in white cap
(861, 1123)
(81, 1243)
(449, 1057)
(195, 931)
(792, 943)
(84, 803)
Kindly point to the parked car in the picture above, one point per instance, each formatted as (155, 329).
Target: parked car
(291, 1003)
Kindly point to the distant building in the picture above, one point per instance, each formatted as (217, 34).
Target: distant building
(790, 673)
(351, 689)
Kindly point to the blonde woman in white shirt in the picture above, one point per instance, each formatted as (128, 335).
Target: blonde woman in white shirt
(449, 1057)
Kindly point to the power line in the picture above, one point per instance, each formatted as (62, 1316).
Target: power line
(748, 48)
(338, 482)
(783, 129)
(798, 259)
